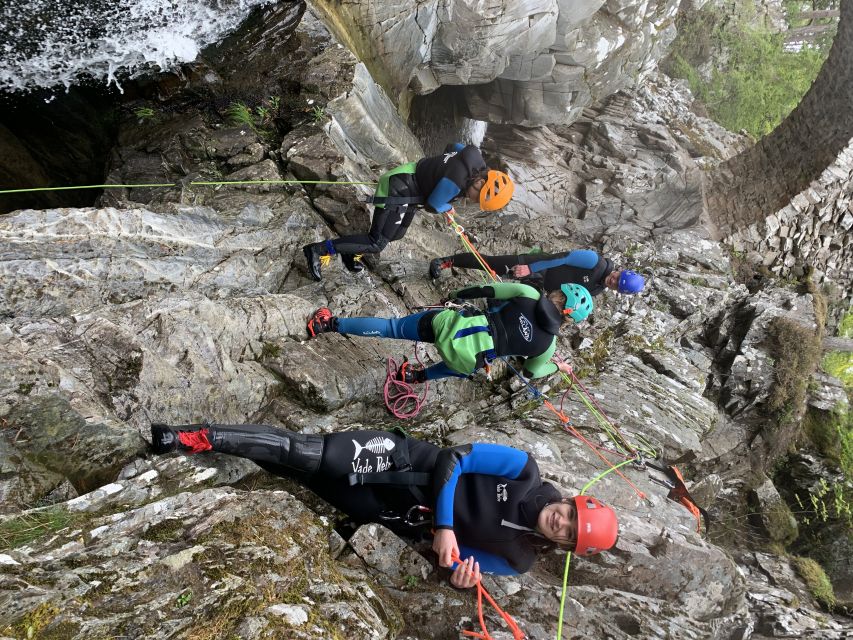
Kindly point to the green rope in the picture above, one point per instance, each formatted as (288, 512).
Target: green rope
(569, 554)
(619, 441)
(175, 184)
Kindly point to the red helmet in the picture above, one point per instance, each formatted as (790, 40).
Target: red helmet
(597, 526)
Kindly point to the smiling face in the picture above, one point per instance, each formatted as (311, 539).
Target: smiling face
(612, 280)
(558, 522)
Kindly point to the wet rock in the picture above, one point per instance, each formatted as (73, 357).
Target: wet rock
(776, 519)
(390, 556)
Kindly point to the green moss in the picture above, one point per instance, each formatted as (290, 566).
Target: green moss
(270, 350)
(781, 524)
(27, 527)
(796, 350)
(754, 83)
(38, 624)
(594, 357)
(25, 387)
(816, 580)
(166, 531)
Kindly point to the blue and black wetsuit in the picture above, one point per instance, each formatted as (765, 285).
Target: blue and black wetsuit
(431, 183)
(489, 495)
(581, 266)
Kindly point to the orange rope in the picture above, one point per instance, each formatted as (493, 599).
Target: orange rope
(517, 633)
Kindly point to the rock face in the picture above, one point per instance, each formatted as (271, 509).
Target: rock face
(189, 304)
(533, 62)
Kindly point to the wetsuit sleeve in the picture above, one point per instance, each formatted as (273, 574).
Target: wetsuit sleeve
(489, 562)
(444, 192)
(541, 365)
(581, 258)
(452, 462)
(498, 291)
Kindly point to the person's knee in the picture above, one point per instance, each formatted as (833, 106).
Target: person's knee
(378, 243)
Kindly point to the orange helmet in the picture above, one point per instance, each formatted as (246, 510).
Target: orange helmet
(597, 526)
(497, 191)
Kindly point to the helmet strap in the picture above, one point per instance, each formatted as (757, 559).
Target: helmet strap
(568, 311)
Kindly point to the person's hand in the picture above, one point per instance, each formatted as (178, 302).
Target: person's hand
(520, 271)
(444, 545)
(565, 367)
(466, 574)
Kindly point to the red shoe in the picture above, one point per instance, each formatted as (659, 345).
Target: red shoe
(410, 373)
(322, 321)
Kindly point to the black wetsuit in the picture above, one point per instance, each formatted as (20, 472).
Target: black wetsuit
(490, 495)
(581, 266)
(432, 182)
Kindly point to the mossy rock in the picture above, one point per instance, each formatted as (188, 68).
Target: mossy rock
(816, 580)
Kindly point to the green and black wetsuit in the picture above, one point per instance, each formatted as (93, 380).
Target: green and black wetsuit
(432, 183)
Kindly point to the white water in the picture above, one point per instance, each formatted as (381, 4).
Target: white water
(56, 43)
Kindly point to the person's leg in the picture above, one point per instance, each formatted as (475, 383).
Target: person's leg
(371, 242)
(405, 328)
(300, 454)
(439, 371)
(501, 264)
(374, 241)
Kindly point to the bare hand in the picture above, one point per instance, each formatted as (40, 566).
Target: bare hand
(444, 544)
(565, 367)
(466, 574)
(520, 270)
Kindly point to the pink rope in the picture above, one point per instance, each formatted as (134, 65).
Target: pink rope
(400, 397)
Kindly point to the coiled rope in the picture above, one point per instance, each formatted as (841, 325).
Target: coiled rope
(400, 397)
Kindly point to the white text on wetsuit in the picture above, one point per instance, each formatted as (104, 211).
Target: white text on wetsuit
(383, 463)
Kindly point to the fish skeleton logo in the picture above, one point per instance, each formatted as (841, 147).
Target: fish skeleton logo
(449, 155)
(525, 327)
(376, 445)
(503, 496)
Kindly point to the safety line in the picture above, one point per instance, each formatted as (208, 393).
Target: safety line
(569, 554)
(517, 633)
(181, 184)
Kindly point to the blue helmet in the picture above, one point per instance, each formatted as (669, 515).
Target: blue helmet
(630, 282)
(578, 302)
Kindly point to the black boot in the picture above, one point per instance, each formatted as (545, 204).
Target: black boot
(299, 454)
(188, 438)
(352, 262)
(410, 373)
(437, 264)
(313, 252)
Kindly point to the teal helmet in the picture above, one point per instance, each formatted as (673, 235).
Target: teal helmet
(578, 302)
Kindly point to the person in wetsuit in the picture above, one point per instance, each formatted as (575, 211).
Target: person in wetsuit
(486, 502)
(432, 183)
(581, 266)
(519, 321)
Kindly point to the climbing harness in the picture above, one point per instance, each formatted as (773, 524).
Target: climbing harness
(400, 397)
(517, 633)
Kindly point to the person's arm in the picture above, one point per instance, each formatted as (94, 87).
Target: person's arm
(489, 562)
(580, 258)
(498, 291)
(452, 462)
(445, 191)
(541, 365)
